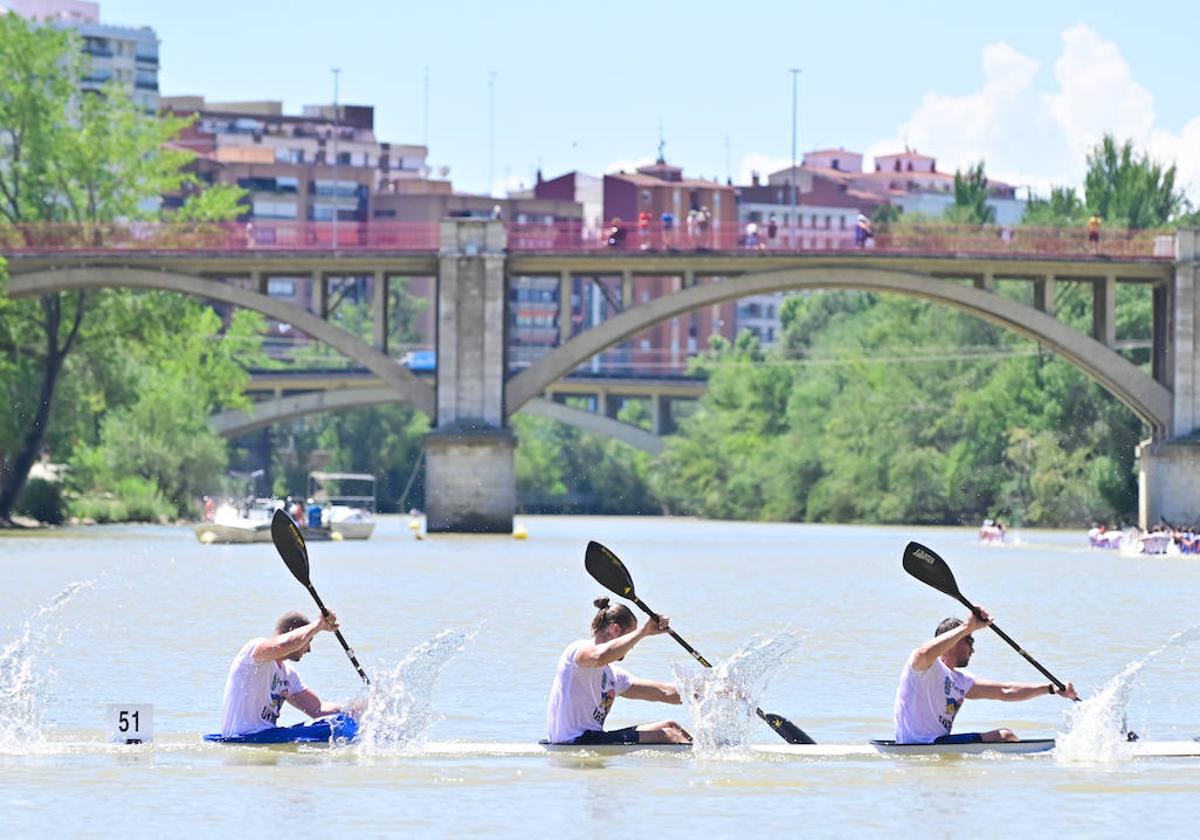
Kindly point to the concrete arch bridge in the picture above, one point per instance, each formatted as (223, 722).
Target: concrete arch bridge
(470, 479)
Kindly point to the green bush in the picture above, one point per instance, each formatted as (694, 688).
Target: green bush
(143, 501)
(42, 500)
(97, 508)
(134, 500)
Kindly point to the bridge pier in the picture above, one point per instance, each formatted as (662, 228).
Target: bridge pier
(470, 472)
(1169, 465)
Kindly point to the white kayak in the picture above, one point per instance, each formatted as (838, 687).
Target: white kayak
(873, 749)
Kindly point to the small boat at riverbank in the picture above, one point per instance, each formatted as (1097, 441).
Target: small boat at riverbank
(346, 515)
(232, 526)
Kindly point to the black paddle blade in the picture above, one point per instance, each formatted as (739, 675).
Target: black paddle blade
(925, 565)
(608, 570)
(786, 730)
(289, 542)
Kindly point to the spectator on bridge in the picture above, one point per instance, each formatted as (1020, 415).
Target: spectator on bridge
(772, 230)
(668, 226)
(1093, 229)
(702, 220)
(752, 235)
(863, 231)
(644, 229)
(616, 233)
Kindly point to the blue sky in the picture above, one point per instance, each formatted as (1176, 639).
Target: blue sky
(1025, 85)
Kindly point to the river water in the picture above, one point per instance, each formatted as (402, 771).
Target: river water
(463, 634)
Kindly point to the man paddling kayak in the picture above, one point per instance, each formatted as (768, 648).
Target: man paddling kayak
(933, 688)
(587, 683)
(261, 677)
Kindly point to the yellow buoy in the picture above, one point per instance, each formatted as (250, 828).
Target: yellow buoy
(519, 532)
(414, 524)
(337, 536)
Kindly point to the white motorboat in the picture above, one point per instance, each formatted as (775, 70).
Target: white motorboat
(232, 525)
(347, 515)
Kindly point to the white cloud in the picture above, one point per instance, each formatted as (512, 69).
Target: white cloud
(1037, 137)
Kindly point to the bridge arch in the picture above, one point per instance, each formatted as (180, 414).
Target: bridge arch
(401, 382)
(235, 422)
(1150, 400)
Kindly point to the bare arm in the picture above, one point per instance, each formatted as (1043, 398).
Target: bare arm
(992, 690)
(650, 690)
(597, 656)
(285, 644)
(308, 702)
(928, 653)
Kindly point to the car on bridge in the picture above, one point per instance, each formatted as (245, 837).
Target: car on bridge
(420, 361)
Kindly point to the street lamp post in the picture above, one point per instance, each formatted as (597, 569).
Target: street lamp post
(795, 71)
(337, 129)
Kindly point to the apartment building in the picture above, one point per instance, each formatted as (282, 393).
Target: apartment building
(127, 56)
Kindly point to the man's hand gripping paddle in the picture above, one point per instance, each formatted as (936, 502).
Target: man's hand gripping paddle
(926, 566)
(289, 542)
(610, 572)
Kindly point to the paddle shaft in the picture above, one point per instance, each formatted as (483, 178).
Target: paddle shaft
(695, 653)
(782, 726)
(974, 609)
(349, 650)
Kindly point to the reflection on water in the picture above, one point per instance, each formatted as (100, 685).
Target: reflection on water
(22, 685)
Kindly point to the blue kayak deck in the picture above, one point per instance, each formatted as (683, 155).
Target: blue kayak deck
(340, 728)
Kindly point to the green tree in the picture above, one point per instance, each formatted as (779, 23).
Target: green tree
(1063, 207)
(71, 159)
(970, 198)
(1128, 189)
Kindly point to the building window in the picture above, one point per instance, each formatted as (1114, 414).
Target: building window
(281, 287)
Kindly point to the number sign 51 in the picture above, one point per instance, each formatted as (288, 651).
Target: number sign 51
(130, 723)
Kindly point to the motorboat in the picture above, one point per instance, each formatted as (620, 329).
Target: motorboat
(234, 525)
(347, 502)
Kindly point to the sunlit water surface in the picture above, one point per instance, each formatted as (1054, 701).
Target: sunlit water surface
(461, 636)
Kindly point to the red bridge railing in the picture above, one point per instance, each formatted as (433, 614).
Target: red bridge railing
(574, 237)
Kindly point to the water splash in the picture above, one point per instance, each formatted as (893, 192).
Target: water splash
(21, 684)
(722, 700)
(1096, 728)
(399, 704)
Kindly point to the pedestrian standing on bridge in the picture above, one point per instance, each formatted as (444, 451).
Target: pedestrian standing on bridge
(1093, 229)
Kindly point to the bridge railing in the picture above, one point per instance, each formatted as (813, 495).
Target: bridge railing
(574, 236)
(934, 239)
(264, 235)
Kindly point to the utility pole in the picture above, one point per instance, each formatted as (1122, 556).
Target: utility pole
(337, 129)
(425, 141)
(491, 131)
(795, 71)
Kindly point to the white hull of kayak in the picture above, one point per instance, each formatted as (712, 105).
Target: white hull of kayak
(465, 749)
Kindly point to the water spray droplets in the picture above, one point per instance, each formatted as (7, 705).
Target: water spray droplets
(399, 704)
(722, 700)
(21, 684)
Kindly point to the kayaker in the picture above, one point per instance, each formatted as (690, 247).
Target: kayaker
(262, 677)
(587, 683)
(933, 687)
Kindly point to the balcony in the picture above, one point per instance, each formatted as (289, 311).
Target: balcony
(141, 84)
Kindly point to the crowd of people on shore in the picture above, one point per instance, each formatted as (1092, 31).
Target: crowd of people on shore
(1162, 539)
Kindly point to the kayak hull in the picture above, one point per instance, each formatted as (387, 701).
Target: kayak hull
(1011, 747)
(339, 729)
